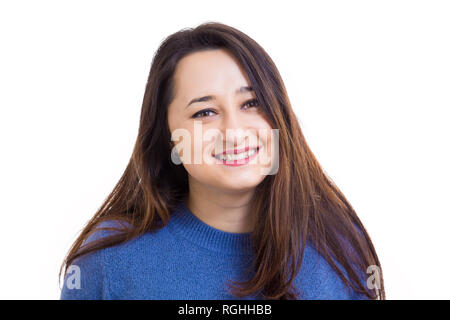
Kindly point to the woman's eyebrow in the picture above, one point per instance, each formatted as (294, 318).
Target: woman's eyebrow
(212, 97)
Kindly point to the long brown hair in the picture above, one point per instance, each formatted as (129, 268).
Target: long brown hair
(299, 203)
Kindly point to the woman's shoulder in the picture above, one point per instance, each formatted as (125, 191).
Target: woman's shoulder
(150, 239)
(89, 276)
(105, 229)
(85, 278)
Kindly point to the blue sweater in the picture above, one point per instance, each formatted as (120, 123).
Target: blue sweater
(187, 259)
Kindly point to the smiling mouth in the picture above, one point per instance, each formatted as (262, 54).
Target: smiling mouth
(236, 158)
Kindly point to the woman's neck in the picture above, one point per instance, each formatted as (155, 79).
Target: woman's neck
(224, 210)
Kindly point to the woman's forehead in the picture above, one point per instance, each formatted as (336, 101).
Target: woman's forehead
(208, 73)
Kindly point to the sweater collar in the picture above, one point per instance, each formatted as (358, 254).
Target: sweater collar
(186, 224)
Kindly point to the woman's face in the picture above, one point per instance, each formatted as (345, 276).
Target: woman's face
(229, 119)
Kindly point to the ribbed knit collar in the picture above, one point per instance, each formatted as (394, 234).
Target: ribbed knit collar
(186, 224)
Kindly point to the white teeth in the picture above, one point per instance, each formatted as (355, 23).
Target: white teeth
(239, 156)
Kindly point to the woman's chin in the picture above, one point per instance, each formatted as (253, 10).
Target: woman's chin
(242, 181)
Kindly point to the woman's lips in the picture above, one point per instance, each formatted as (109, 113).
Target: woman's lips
(236, 151)
(238, 162)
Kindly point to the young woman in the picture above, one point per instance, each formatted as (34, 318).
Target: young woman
(229, 211)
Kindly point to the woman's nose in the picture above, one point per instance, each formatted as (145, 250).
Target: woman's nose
(233, 128)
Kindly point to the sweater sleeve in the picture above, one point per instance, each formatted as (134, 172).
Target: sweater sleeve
(86, 277)
(319, 281)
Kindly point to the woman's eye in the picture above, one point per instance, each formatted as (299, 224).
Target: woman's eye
(202, 113)
(208, 112)
(251, 103)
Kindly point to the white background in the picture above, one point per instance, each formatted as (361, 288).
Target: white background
(369, 81)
